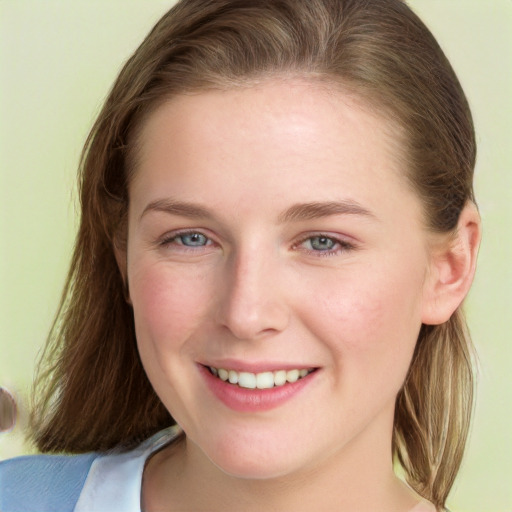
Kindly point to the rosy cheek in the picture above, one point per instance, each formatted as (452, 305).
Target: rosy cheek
(369, 318)
(164, 305)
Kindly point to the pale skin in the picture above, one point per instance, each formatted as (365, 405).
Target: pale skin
(272, 225)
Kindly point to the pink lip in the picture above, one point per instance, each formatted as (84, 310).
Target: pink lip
(253, 400)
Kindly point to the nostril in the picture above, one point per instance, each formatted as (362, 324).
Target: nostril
(8, 410)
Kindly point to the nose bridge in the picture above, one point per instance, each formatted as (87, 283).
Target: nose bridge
(253, 303)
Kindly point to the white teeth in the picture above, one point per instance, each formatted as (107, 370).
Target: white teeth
(263, 380)
(247, 380)
(292, 375)
(280, 377)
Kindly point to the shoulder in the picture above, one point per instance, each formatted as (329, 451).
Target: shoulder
(43, 483)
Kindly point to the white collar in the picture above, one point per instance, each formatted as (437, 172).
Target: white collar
(114, 482)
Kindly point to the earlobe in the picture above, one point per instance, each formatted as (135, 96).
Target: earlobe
(452, 268)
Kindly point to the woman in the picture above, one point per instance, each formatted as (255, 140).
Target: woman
(278, 229)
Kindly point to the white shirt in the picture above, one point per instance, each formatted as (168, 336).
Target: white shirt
(114, 482)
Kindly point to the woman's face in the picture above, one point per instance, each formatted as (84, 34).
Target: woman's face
(272, 236)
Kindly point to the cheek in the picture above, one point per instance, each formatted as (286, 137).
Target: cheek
(371, 321)
(167, 304)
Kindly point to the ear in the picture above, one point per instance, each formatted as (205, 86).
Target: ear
(453, 263)
(121, 259)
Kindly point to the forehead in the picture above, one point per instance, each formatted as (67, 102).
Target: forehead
(292, 107)
(284, 136)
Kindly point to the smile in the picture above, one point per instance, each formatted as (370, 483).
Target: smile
(263, 380)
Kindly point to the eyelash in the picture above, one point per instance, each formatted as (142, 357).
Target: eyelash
(339, 246)
(173, 237)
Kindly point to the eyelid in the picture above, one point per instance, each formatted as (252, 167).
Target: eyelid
(167, 239)
(344, 244)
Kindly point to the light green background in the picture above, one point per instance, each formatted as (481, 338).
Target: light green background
(58, 59)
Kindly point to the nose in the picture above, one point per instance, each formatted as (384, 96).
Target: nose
(252, 301)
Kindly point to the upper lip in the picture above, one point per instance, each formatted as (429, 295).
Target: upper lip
(255, 367)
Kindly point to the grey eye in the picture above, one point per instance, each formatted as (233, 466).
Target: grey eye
(193, 239)
(321, 243)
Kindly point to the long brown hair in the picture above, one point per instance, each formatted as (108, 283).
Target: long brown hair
(93, 392)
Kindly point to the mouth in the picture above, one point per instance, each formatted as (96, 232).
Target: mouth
(262, 380)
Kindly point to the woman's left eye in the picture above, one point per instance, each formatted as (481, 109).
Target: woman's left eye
(324, 245)
(321, 243)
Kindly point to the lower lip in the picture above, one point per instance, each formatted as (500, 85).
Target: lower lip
(253, 400)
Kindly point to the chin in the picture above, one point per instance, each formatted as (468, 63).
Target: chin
(253, 460)
(253, 469)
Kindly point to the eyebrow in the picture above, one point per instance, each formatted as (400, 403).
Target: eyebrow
(183, 209)
(316, 210)
(297, 212)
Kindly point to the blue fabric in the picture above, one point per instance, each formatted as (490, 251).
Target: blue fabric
(43, 483)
